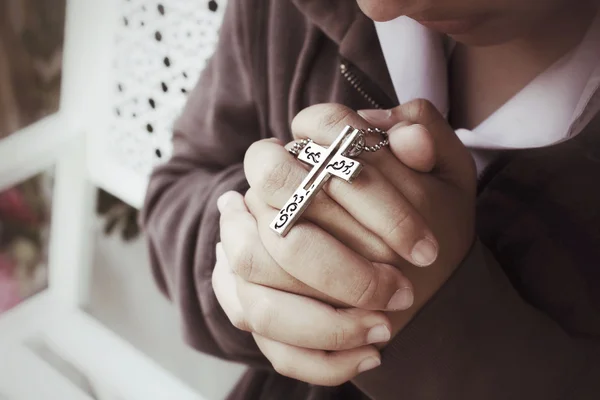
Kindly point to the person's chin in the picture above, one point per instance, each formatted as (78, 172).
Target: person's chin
(377, 11)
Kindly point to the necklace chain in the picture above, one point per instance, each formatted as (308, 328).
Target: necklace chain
(358, 146)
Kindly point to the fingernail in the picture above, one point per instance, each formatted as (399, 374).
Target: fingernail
(274, 140)
(368, 364)
(424, 253)
(379, 334)
(403, 299)
(223, 200)
(399, 126)
(376, 116)
(407, 128)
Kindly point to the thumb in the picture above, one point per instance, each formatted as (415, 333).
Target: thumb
(452, 159)
(412, 144)
(231, 201)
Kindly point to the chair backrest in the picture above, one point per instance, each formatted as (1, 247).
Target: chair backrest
(134, 56)
(160, 48)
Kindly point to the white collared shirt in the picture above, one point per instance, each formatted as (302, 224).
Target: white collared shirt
(554, 107)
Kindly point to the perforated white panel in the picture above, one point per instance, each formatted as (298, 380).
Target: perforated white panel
(160, 49)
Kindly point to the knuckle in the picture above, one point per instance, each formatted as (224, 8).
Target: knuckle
(321, 205)
(297, 242)
(285, 369)
(334, 375)
(418, 196)
(338, 338)
(238, 321)
(423, 110)
(360, 187)
(261, 317)
(334, 116)
(243, 262)
(284, 364)
(320, 120)
(365, 290)
(395, 228)
(276, 178)
(382, 253)
(332, 380)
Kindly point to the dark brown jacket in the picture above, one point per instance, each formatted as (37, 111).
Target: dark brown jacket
(520, 319)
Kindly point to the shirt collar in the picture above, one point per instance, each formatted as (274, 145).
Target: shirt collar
(554, 107)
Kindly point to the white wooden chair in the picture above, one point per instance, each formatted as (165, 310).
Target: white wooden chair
(127, 67)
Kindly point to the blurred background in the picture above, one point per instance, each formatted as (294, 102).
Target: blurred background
(155, 53)
(31, 43)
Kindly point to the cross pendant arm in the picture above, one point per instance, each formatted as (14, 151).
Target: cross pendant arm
(326, 163)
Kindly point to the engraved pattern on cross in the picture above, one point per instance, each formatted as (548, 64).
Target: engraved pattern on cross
(326, 162)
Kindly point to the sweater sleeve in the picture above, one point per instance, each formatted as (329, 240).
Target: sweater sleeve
(477, 339)
(180, 215)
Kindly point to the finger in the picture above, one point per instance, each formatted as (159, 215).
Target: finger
(275, 174)
(324, 122)
(230, 202)
(318, 367)
(422, 139)
(304, 322)
(240, 241)
(411, 144)
(372, 201)
(225, 288)
(316, 258)
(452, 157)
(401, 227)
(414, 146)
(382, 119)
(247, 256)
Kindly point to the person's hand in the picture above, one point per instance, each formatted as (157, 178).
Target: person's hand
(418, 197)
(370, 216)
(294, 323)
(415, 152)
(446, 197)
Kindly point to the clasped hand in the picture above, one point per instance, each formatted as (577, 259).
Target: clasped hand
(350, 275)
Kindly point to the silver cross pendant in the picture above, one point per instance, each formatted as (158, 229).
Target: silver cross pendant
(326, 162)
